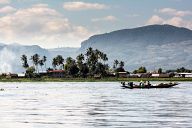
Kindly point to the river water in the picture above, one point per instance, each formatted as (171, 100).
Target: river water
(93, 105)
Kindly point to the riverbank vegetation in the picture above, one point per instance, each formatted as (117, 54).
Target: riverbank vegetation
(107, 79)
(87, 67)
(92, 63)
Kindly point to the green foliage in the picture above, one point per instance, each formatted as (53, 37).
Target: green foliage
(35, 60)
(30, 72)
(24, 61)
(95, 61)
(182, 69)
(121, 64)
(160, 70)
(84, 70)
(120, 69)
(116, 62)
(44, 61)
(90, 63)
(58, 62)
(118, 66)
(100, 69)
(71, 67)
(141, 70)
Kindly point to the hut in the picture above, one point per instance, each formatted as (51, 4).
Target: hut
(145, 75)
(161, 75)
(56, 73)
(184, 75)
(10, 75)
(21, 75)
(97, 76)
(122, 74)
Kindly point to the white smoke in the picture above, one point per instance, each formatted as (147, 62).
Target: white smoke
(7, 59)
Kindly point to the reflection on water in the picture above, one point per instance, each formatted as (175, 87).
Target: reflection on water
(89, 105)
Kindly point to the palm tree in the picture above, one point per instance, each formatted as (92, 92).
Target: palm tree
(35, 59)
(54, 63)
(24, 61)
(80, 58)
(60, 61)
(44, 61)
(121, 64)
(69, 60)
(98, 54)
(41, 63)
(116, 62)
(105, 58)
(80, 64)
(89, 51)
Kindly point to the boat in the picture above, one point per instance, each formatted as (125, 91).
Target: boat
(131, 85)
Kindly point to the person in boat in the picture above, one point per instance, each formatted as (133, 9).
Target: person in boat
(130, 84)
(141, 84)
(148, 84)
(123, 83)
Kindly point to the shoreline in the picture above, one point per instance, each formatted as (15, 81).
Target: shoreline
(91, 79)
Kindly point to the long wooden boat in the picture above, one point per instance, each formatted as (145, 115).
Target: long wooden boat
(161, 85)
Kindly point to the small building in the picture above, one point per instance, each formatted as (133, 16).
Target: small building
(133, 75)
(183, 75)
(45, 73)
(21, 75)
(161, 75)
(56, 73)
(111, 74)
(145, 75)
(10, 75)
(97, 76)
(156, 75)
(122, 74)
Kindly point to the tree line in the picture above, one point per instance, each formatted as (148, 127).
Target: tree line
(93, 62)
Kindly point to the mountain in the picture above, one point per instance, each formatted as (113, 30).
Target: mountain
(10, 55)
(152, 46)
(65, 51)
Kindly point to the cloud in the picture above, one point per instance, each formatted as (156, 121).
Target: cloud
(176, 21)
(174, 12)
(7, 9)
(75, 6)
(155, 20)
(107, 18)
(41, 25)
(180, 22)
(41, 5)
(4, 1)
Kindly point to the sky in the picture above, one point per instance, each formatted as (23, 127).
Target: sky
(66, 23)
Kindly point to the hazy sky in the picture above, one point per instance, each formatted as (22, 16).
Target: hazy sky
(61, 23)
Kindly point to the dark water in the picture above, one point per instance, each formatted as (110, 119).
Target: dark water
(90, 105)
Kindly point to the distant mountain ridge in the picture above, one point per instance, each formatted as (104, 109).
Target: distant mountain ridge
(152, 34)
(152, 46)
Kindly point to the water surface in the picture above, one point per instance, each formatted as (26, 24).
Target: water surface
(93, 105)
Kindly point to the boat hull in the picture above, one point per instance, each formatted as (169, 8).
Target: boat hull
(151, 86)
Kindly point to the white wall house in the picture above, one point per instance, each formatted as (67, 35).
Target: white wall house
(185, 75)
(155, 75)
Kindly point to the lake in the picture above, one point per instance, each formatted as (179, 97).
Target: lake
(93, 105)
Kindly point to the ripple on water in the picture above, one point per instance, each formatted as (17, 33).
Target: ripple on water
(90, 105)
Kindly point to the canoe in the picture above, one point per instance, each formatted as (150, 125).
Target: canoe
(161, 85)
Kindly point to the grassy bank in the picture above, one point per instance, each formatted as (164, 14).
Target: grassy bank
(90, 79)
